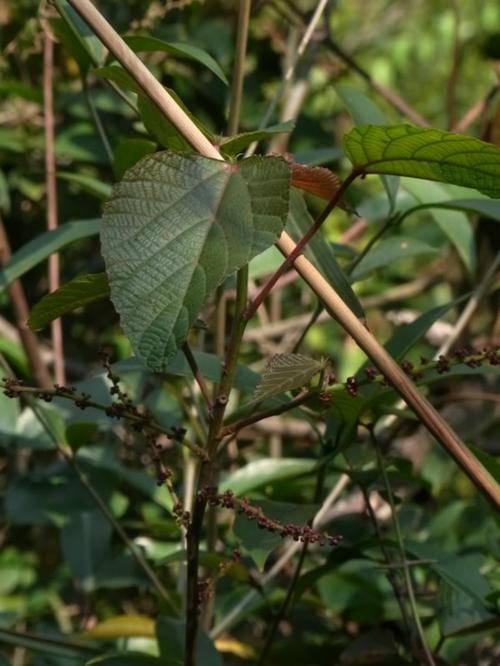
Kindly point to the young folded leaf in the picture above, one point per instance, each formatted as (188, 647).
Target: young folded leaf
(174, 229)
(405, 150)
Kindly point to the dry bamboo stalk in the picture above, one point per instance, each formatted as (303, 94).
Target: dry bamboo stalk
(339, 310)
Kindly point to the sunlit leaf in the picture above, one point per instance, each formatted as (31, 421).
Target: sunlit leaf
(175, 228)
(406, 150)
(121, 626)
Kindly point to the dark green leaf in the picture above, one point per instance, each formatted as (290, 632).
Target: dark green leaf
(461, 614)
(405, 150)
(44, 644)
(88, 184)
(77, 37)
(363, 111)
(236, 144)
(286, 372)
(319, 252)
(175, 228)
(77, 293)
(130, 659)
(119, 76)
(85, 542)
(41, 247)
(139, 43)
(159, 127)
(128, 152)
(387, 251)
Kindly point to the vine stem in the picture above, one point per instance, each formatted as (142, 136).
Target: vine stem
(402, 553)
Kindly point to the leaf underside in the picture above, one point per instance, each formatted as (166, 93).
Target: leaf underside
(175, 228)
(286, 372)
(416, 152)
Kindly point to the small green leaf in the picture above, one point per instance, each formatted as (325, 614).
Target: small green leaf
(175, 228)
(160, 127)
(41, 247)
(80, 291)
(461, 614)
(139, 43)
(129, 152)
(88, 184)
(405, 150)
(363, 111)
(233, 145)
(286, 372)
(77, 37)
(170, 633)
(388, 251)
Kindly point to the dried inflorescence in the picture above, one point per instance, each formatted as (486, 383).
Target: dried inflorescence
(243, 506)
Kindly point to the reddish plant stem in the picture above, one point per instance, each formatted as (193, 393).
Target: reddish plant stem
(21, 313)
(51, 193)
(299, 248)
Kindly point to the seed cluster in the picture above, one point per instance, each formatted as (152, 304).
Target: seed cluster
(243, 506)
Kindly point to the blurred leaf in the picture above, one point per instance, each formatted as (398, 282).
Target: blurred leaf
(286, 372)
(462, 572)
(492, 464)
(462, 614)
(76, 293)
(406, 150)
(139, 43)
(364, 111)
(265, 471)
(121, 626)
(130, 659)
(80, 434)
(119, 76)
(387, 251)
(41, 247)
(453, 223)
(375, 648)
(212, 219)
(258, 542)
(170, 633)
(318, 156)
(128, 152)
(77, 37)
(484, 207)
(86, 542)
(88, 184)
(319, 252)
(233, 145)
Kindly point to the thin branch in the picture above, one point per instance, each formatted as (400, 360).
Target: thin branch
(451, 86)
(51, 193)
(21, 310)
(97, 120)
(476, 110)
(402, 553)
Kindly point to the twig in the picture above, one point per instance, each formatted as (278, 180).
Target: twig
(476, 110)
(390, 222)
(21, 313)
(97, 120)
(51, 193)
(402, 553)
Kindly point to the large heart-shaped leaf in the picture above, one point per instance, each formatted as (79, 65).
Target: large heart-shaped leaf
(174, 229)
(405, 150)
